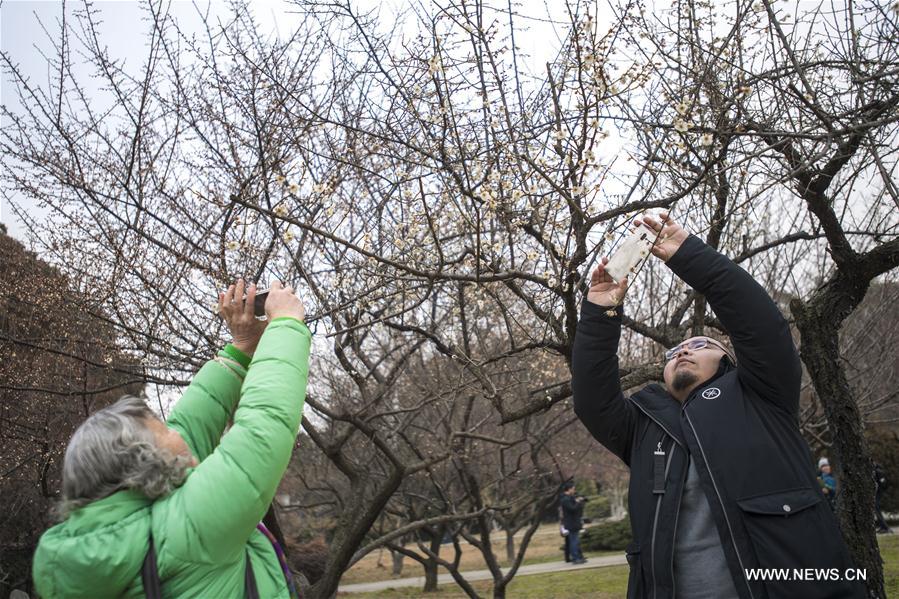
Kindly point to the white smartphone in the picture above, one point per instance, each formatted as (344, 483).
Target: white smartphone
(629, 255)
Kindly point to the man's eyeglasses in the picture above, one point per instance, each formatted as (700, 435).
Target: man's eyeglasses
(693, 345)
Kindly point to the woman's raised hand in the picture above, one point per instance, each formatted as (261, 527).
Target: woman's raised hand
(282, 301)
(237, 312)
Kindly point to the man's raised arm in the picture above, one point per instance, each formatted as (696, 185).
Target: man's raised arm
(598, 400)
(767, 360)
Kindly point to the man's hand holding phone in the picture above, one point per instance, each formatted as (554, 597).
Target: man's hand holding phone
(670, 235)
(604, 291)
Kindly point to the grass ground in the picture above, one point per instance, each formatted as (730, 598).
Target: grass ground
(544, 547)
(601, 583)
(889, 551)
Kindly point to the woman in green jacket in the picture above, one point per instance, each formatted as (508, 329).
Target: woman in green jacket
(128, 476)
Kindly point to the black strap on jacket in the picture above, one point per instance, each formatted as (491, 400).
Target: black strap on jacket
(271, 523)
(149, 574)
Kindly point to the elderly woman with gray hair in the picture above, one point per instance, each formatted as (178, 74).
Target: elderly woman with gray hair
(173, 509)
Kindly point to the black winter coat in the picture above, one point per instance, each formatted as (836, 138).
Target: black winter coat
(572, 512)
(740, 428)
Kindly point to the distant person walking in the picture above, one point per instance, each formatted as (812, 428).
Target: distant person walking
(564, 532)
(881, 482)
(828, 482)
(573, 521)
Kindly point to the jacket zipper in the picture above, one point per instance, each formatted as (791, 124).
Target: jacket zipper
(655, 522)
(659, 500)
(720, 501)
(676, 517)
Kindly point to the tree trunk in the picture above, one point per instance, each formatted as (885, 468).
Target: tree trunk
(619, 506)
(819, 321)
(510, 545)
(352, 526)
(431, 564)
(430, 576)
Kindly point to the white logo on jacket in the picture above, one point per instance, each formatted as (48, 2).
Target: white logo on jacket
(711, 393)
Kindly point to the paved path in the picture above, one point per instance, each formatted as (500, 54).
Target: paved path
(419, 581)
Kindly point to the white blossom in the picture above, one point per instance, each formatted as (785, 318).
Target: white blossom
(434, 65)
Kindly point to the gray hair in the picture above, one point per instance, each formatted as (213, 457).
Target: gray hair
(113, 450)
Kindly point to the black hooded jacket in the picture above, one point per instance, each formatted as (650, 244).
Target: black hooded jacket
(572, 512)
(741, 430)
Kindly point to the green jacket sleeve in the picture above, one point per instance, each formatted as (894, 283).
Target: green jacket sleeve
(202, 413)
(228, 493)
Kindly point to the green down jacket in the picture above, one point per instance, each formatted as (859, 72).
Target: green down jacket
(205, 529)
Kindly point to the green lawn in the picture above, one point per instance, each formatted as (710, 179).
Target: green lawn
(889, 551)
(601, 583)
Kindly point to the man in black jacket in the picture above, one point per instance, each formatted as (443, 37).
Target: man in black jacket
(722, 485)
(573, 520)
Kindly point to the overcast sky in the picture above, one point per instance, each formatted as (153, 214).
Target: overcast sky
(28, 26)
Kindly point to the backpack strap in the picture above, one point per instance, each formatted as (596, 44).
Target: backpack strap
(250, 589)
(149, 574)
(271, 522)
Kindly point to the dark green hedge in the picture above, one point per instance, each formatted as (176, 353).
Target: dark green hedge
(608, 536)
(597, 508)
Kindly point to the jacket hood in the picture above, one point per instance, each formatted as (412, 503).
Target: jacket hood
(98, 551)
